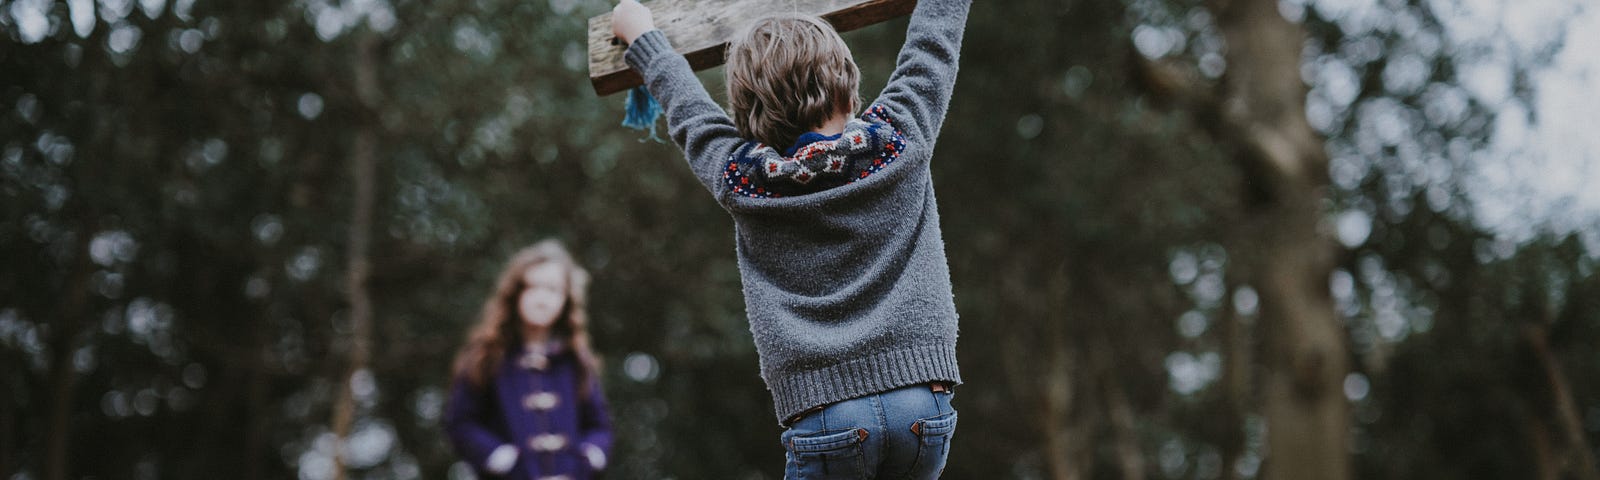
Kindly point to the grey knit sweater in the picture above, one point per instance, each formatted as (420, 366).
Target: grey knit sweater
(840, 253)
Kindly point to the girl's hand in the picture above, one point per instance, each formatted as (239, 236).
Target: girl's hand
(629, 20)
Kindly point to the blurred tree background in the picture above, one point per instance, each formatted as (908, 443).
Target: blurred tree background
(1230, 239)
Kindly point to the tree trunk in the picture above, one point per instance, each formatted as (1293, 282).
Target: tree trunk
(1042, 369)
(8, 421)
(363, 174)
(1566, 451)
(63, 344)
(1130, 458)
(1066, 429)
(1236, 358)
(256, 407)
(1308, 419)
(1546, 464)
(1262, 113)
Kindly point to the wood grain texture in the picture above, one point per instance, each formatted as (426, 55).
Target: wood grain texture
(701, 30)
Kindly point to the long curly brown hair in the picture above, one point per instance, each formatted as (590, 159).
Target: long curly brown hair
(498, 328)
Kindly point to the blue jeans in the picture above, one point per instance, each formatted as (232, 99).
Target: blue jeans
(901, 433)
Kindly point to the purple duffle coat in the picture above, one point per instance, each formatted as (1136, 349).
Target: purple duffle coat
(537, 410)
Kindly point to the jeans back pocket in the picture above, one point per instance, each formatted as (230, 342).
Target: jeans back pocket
(933, 435)
(826, 455)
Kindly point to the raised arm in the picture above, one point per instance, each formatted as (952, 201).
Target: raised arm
(696, 123)
(918, 92)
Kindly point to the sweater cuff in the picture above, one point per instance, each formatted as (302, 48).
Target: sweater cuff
(646, 48)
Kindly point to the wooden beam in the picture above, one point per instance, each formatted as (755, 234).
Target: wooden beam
(701, 30)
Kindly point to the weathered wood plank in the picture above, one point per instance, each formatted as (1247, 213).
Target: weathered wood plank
(701, 30)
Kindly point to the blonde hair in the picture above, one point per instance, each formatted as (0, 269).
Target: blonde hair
(498, 327)
(787, 75)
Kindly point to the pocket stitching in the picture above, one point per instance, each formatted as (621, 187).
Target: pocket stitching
(935, 426)
(825, 442)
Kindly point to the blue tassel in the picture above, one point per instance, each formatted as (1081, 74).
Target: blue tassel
(642, 112)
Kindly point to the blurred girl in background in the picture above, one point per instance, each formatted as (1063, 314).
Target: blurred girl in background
(525, 398)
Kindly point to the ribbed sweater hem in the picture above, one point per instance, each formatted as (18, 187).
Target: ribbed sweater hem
(795, 392)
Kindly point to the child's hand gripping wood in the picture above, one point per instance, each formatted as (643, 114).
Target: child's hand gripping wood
(630, 19)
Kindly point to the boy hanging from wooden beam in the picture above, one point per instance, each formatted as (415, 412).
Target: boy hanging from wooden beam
(840, 252)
